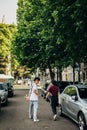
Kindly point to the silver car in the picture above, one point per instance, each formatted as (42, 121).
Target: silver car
(3, 93)
(0, 103)
(73, 103)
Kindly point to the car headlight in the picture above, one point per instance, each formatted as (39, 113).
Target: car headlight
(3, 96)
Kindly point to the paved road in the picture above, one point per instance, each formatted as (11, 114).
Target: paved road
(15, 116)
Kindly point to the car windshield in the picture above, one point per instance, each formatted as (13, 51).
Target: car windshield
(1, 87)
(83, 93)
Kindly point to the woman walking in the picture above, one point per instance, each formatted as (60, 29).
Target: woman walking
(54, 93)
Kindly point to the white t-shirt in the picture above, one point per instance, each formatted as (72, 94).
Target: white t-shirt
(33, 96)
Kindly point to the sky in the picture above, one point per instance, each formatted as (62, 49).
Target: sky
(8, 10)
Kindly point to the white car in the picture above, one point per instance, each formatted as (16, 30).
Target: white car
(3, 93)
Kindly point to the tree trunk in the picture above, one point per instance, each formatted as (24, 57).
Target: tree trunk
(60, 75)
(52, 75)
(79, 72)
(73, 75)
(73, 71)
(57, 74)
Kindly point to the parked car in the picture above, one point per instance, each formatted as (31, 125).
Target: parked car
(0, 103)
(10, 90)
(73, 103)
(3, 93)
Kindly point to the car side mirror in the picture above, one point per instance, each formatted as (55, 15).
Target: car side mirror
(75, 98)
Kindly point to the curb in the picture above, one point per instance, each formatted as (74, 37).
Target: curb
(21, 87)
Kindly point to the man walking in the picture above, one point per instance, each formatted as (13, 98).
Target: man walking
(33, 100)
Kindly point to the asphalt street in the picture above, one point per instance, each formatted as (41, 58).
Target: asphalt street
(14, 116)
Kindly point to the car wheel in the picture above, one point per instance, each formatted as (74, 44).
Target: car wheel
(6, 102)
(60, 110)
(0, 106)
(0, 103)
(82, 122)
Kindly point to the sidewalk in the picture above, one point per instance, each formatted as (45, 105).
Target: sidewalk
(23, 87)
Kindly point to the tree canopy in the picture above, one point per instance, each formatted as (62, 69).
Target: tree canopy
(6, 33)
(51, 33)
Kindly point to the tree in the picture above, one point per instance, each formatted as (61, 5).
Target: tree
(71, 19)
(35, 39)
(6, 32)
(51, 33)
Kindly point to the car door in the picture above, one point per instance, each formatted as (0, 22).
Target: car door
(65, 100)
(73, 105)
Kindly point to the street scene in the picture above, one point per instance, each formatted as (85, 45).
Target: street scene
(43, 64)
(14, 116)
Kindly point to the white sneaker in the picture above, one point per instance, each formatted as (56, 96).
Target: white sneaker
(30, 117)
(55, 117)
(37, 120)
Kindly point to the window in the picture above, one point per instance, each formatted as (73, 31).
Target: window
(83, 93)
(71, 91)
(67, 91)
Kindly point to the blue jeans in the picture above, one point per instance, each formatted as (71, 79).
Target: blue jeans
(33, 106)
